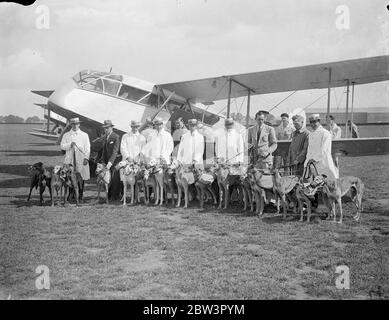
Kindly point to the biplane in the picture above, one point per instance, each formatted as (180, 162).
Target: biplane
(94, 96)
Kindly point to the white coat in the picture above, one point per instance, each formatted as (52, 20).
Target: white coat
(131, 145)
(81, 152)
(191, 148)
(159, 145)
(319, 149)
(229, 146)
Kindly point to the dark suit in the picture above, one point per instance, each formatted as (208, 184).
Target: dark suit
(109, 153)
(264, 143)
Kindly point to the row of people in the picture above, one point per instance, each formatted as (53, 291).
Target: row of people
(285, 130)
(154, 142)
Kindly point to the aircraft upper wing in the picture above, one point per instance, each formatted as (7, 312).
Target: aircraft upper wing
(349, 147)
(359, 71)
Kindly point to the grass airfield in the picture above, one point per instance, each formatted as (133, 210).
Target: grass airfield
(151, 252)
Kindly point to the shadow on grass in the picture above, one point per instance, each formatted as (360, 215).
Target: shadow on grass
(34, 153)
(42, 144)
(20, 169)
(15, 183)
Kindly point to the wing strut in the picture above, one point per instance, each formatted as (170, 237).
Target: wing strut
(347, 98)
(230, 80)
(329, 90)
(248, 108)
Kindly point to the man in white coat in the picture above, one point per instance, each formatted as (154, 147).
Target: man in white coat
(319, 149)
(229, 144)
(132, 143)
(191, 147)
(149, 130)
(159, 143)
(77, 146)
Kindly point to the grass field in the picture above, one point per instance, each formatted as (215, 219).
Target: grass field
(148, 252)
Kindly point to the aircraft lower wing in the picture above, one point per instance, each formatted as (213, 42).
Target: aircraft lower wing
(45, 135)
(349, 147)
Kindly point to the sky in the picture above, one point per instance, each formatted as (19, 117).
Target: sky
(166, 41)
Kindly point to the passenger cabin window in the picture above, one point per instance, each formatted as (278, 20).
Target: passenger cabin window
(151, 100)
(131, 93)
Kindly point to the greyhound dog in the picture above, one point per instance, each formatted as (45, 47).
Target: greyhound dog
(57, 184)
(40, 176)
(103, 179)
(128, 172)
(154, 178)
(169, 180)
(306, 189)
(225, 180)
(204, 180)
(70, 180)
(333, 191)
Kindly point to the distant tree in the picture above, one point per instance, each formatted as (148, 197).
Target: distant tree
(13, 119)
(1, 119)
(33, 119)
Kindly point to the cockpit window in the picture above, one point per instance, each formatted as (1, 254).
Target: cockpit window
(112, 84)
(95, 85)
(111, 87)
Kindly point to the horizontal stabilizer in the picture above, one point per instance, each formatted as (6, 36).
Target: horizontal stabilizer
(43, 93)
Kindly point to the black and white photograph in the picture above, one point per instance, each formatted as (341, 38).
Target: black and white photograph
(194, 151)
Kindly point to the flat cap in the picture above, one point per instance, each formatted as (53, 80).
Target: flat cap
(229, 121)
(314, 117)
(158, 120)
(107, 123)
(192, 122)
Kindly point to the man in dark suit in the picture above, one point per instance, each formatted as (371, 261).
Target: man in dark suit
(263, 142)
(109, 156)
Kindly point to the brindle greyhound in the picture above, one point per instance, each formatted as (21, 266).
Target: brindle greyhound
(225, 180)
(169, 181)
(204, 180)
(306, 188)
(70, 180)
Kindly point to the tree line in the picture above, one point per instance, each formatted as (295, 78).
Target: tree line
(16, 119)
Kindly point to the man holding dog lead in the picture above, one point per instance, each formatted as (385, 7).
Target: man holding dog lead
(109, 156)
(159, 144)
(298, 147)
(132, 143)
(229, 145)
(319, 149)
(191, 147)
(263, 141)
(77, 147)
